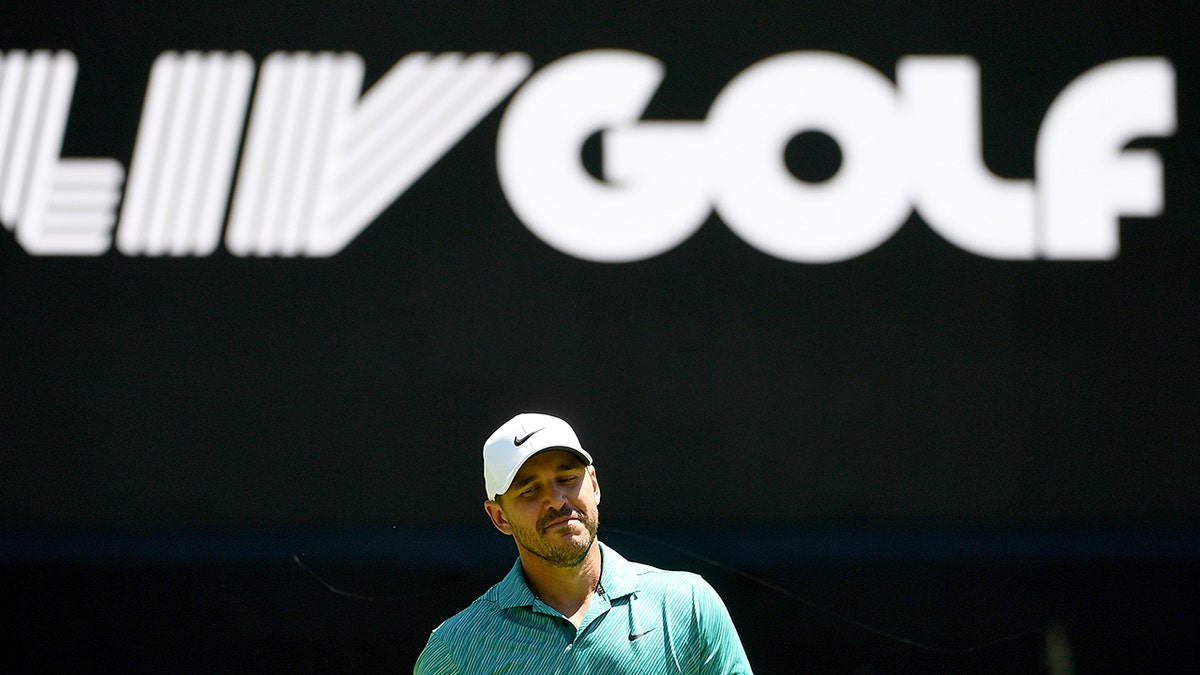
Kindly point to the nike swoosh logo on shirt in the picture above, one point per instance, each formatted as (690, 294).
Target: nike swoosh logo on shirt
(633, 637)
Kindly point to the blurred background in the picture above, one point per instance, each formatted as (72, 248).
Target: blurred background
(918, 459)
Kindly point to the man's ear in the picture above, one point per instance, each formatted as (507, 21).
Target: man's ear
(497, 515)
(595, 483)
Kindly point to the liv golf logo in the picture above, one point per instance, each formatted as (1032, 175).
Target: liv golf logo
(319, 162)
(305, 162)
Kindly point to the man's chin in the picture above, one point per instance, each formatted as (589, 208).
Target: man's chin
(570, 541)
(569, 552)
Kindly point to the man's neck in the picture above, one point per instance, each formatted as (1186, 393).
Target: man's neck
(567, 589)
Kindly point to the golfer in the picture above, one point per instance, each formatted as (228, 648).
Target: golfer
(571, 604)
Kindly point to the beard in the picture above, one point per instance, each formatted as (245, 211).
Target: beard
(555, 550)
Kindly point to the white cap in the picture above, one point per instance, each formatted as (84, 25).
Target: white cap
(519, 439)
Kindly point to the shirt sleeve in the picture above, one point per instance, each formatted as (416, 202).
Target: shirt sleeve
(435, 659)
(723, 651)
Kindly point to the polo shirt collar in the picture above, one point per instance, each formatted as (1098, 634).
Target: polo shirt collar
(512, 591)
(617, 575)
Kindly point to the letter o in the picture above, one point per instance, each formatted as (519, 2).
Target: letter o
(750, 124)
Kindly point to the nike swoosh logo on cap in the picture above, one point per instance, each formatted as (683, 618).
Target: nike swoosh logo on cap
(518, 440)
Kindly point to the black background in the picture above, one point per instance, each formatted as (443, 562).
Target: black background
(156, 408)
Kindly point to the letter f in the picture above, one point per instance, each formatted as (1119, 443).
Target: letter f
(1086, 178)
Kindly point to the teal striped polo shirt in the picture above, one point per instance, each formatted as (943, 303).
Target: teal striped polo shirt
(642, 620)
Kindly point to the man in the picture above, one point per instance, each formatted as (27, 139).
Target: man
(572, 604)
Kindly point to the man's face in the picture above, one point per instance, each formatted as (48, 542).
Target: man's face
(551, 508)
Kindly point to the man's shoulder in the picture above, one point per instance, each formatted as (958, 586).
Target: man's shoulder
(648, 579)
(657, 574)
(455, 645)
(483, 610)
(679, 583)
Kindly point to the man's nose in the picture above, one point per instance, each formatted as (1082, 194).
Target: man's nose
(558, 497)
